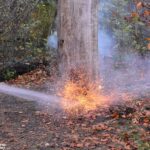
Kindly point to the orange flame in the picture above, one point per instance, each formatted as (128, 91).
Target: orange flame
(81, 93)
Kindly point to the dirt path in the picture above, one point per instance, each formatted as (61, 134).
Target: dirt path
(25, 126)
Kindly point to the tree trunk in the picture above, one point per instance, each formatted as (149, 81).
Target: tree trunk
(78, 36)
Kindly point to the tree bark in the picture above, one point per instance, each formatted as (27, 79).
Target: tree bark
(78, 36)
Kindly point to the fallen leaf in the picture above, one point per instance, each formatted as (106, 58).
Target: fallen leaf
(139, 5)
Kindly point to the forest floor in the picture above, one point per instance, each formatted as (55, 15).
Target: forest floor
(24, 125)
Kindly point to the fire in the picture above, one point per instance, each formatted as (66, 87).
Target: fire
(80, 93)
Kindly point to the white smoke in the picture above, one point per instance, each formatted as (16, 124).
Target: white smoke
(52, 41)
(124, 71)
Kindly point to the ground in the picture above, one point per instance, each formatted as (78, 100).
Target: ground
(25, 125)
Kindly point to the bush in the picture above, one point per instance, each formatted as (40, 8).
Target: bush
(9, 74)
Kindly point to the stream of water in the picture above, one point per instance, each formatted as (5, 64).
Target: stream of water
(27, 94)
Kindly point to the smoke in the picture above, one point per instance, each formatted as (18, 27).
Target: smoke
(39, 97)
(52, 41)
(105, 46)
(122, 70)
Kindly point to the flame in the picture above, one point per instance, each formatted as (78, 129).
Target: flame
(80, 93)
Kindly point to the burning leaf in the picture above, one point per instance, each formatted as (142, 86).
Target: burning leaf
(80, 93)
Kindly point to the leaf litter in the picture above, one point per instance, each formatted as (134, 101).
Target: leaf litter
(24, 125)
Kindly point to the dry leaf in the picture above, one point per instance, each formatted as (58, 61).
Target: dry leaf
(139, 5)
(134, 14)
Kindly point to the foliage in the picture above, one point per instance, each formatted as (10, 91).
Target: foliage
(9, 74)
(42, 19)
(39, 25)
(127, 27)
(13, 13)
(25, 27)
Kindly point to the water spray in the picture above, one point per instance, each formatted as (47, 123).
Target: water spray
(41, 98)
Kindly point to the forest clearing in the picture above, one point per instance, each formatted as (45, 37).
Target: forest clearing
(75, 75)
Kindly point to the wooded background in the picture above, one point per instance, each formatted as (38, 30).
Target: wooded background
(26, 24)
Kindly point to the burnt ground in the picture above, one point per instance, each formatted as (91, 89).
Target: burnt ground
(24, 125)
